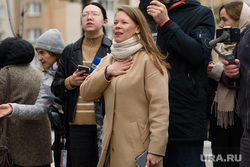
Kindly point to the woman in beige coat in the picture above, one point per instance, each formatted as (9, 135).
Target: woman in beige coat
(134, 82)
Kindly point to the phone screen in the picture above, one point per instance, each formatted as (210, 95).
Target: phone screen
(81, 67)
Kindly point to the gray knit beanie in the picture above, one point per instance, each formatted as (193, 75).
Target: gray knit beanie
(51, 41)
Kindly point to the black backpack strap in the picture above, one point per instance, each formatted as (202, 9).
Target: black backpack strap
(8, 100)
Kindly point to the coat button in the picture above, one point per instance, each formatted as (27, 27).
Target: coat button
(113, 149)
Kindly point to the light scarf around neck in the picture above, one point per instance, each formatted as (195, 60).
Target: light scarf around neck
(123, 50)
(224, 99)
(244, 17)
(223, 103)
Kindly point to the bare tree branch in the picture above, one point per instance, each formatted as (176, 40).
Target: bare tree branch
(20, 23)
(10, 19)
(210, 2)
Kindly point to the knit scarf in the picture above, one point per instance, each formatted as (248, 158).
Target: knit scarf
(223, 103)
(224, 98)
(123, 50)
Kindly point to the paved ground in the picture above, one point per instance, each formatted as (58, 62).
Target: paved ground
(207, 151)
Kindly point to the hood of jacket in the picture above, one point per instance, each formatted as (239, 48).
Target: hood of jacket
(15, 51)
(244, 17)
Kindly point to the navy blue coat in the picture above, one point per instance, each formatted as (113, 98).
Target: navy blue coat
(184, 42)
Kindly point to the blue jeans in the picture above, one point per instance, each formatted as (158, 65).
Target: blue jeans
(184, 154)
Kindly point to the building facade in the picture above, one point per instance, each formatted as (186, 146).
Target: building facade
(41, 15)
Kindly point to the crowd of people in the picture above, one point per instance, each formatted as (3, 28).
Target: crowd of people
(157, 89)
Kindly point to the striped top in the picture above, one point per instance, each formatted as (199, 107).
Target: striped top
(85, 111)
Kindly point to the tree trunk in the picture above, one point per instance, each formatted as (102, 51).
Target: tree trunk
(10, 18)
(20, 22)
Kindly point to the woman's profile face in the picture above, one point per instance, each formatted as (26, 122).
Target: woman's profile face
(225, 20)
(124, 27)
(46, 59)
(92, 19)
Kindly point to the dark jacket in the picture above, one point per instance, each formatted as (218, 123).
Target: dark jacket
(71, 57)
(184, 42)
(242, 84)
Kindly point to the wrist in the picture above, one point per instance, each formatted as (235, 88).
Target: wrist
(70, 82)
(71, 85)
(166, 24)
(11, 109)
(108, 75)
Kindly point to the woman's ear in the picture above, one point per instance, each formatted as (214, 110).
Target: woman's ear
(105, 22)
(137, 31)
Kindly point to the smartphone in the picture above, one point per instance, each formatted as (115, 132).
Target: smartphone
(141, 159)
(234, 34)
(86, 68)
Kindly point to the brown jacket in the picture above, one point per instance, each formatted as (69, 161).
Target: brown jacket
(137, 110)
(30, 140)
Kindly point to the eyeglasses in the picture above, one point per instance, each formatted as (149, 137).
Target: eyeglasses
(92, 14)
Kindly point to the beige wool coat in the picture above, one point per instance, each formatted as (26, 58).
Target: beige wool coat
(137, 110)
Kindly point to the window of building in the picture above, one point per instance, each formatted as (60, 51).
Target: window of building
(2, 36)
(2, 11)
(34, 9)
(108, 4)
(33, 34)
(109, 31)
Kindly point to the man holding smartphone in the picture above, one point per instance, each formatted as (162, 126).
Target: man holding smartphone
(183, 27)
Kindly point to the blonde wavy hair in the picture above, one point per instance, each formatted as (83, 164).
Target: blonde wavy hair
(146, 38)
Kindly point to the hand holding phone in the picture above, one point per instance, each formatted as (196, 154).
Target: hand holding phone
(86, 68)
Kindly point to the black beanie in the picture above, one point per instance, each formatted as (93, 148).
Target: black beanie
(15, 51)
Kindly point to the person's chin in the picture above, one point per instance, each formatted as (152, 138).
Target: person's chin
(89, 29)
(45, 67)
(118, 40)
